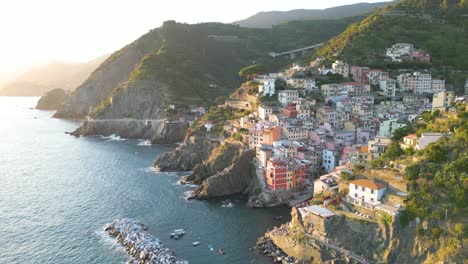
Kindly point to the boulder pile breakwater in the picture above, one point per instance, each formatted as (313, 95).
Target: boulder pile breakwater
(142, 247)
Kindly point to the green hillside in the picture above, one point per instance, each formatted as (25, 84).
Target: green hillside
(437, 177)
(438, 27)
(272, 18)
(200, 62)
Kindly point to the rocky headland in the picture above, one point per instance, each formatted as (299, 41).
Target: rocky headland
(219, 168)
(52, 100)
(142, 247)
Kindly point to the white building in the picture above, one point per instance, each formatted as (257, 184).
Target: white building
(331, 90)
(365, 190)
(442, 100)
(310, 85)
(388, 87)
(295, 132)
(398, 50)
(264, 112)
(329, 159)
(375, 76)
(437, 85)
(356, 88)
(327, 182)
(325, 71)
(287, 96)
(209, 125)
(341, 68)
(267, 88)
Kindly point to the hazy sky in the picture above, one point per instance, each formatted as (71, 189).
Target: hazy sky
(35, 31)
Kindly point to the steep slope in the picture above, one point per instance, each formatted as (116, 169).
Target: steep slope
(52, 100)
(438, 27)
(41, 79)
(179, 64)
(272, 18)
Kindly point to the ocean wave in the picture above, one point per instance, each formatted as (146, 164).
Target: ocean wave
(227, 204)
(187, 195)
(108, 240)
(144, 143)
(113, 137)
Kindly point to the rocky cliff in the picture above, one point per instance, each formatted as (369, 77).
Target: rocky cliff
(53, 100)
(135, 111)
(352, 240)
(227, 172)
(219, 168)
(195, 149)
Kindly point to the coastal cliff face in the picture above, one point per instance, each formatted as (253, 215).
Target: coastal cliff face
(194, 150)
(100, 84)
(229, 172)
(53, 100)
(219, 168)
(135, 111)
(313, 239)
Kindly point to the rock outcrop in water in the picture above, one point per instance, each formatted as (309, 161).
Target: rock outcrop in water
(194, 150)
(225, 173)
(219, 168)
(53, 100)
(142, 247)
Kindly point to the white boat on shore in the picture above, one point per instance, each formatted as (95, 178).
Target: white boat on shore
(196, 243)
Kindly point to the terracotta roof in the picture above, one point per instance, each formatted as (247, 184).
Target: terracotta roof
(354, 83)
(368, 184)
(365, 148)
(412, 136)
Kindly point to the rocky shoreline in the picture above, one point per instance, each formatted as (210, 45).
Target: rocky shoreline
(266, 247)
(142, 247)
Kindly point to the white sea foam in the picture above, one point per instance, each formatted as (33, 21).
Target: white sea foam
(108, 240)
(227, 204)
(113, 137)
(187, 195)
(144, 143)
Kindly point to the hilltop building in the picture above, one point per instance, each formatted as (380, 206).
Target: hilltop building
(365, 190)
(442, 100)
(267, 88)
(341, 68)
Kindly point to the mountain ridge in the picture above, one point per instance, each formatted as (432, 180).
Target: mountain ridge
(267, 19)
(38, 80)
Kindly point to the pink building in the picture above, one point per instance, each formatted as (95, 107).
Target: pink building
(420, 56)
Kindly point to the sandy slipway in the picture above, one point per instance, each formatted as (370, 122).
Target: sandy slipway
(141, 246)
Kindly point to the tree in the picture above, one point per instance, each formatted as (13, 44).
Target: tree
(393, 150)
(252, 70)
(402, 132)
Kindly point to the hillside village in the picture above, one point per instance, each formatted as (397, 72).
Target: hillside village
(310, 125)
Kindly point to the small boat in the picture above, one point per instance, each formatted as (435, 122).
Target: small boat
(178, 233)
(196, 243)
(221, 251)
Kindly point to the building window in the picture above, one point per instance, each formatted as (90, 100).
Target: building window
(372, 191)
(355, 187)
(363, 189)
(355, 195)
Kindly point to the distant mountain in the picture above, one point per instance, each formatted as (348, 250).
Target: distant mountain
(269, 19)
(41, 79)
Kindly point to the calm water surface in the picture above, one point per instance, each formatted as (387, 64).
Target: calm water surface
(57, 192)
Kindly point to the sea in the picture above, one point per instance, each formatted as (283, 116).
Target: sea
(58, 191)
